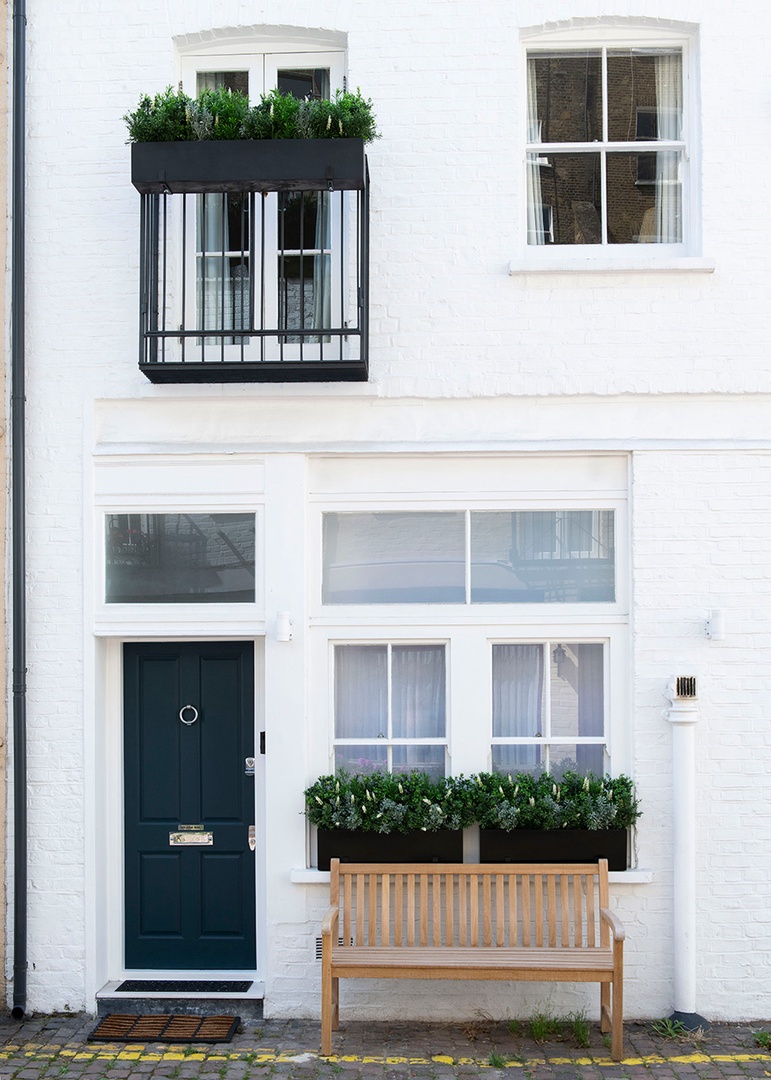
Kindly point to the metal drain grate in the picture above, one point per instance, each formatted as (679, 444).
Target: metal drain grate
(165, 1028)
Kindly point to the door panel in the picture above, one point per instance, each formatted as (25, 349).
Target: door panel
(188, 905)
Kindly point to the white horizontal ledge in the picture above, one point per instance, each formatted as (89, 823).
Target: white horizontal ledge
(518, 267)
(311, 876)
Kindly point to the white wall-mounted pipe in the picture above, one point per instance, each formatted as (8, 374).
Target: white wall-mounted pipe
(683, 715)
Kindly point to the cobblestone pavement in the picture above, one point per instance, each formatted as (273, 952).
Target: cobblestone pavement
(56, 1048)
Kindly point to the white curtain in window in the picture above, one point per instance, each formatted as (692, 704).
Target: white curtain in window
(361, 691)
(517, 690)
(669, 112)
(213, 242)
(418, 691)
(535, 229)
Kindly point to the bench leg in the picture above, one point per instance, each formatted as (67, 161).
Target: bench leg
(605, 1007)
(327, 1010)
(335, 1004)
(617, 1029)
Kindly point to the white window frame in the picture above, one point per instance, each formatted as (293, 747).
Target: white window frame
(468, 629)
(548, 738)
(390, 741)
(262, 67)
(685, 255)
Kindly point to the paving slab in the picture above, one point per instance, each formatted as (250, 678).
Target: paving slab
(56, 1048)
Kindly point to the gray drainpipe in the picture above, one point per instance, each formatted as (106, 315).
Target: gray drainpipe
(18, 562)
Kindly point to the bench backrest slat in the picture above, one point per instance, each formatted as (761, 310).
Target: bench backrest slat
(471, 905)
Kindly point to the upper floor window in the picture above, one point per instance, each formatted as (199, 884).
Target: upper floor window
(254, 253)
(610, 146)
(605, 146)
(276, 255)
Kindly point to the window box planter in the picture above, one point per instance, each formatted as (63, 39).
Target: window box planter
(248, 165)
(441, 846)
(557, 845)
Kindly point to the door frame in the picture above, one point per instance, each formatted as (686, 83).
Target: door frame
(105, 880)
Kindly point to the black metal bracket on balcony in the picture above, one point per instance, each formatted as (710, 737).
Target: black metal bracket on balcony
(254, 260)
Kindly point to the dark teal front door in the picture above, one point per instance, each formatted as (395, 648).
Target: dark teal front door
(189, 805)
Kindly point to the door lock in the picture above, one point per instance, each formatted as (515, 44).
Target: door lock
(252, 838)
(248, 766)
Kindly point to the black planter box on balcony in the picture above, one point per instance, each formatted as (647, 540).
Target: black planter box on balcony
(248, 165)
(442, 846)
(557, 845)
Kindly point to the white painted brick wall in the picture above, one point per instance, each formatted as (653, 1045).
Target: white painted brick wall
(447, 322)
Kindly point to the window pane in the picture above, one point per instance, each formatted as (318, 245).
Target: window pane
(418, 692)
(361, 691)
(576, 691)
(564, 556)
(565, 96)
(567, 757)
(428, 759)
(515, 759)
(517, 691)
(304, 82)
(237, 81)
(645, 94)
(645, 198)
(565, 194)
(400, 558)
(303, 295)
(180, 558)
(366, 758)
(303, 221)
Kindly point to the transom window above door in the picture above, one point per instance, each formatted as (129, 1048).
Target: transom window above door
(180, 558)
(461, 557)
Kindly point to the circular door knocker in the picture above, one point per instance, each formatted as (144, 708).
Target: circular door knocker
(193, 710)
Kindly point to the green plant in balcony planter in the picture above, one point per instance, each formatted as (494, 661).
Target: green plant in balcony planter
(173, 116)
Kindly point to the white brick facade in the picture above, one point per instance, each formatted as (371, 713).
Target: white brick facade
(664, 371)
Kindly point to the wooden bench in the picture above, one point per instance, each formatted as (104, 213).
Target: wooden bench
(531, 922)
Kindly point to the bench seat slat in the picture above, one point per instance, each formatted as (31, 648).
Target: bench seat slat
(545, 959)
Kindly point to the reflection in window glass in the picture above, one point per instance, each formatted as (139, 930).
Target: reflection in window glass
(593, 194)
(180, 558)
(547, 556)
(399, 558)
(390, 708)
(548, 707)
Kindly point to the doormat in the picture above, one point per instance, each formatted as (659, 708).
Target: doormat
(182, 986)
(168, 1029)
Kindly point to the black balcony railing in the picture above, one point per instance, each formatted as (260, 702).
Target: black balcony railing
(254, 278)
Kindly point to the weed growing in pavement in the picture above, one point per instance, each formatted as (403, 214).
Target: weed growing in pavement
(482, 1024)
(543, 1027)
(498, 1061)
(515, 1028)
(763, 1039)
(607, 1042)
(578, 1027)
(667, 1028)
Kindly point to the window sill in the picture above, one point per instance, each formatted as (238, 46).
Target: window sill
(311, 876)
(677, 265)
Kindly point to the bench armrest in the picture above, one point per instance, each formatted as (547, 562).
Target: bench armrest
(614, 923)
(330, 923)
